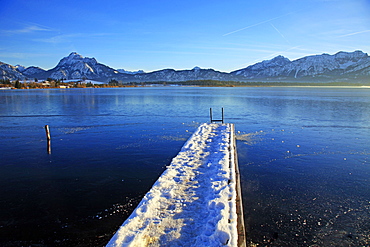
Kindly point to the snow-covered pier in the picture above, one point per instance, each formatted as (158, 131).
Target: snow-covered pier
(196, 201)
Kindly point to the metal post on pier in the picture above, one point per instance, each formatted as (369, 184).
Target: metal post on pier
(222, 110)
(217, 120)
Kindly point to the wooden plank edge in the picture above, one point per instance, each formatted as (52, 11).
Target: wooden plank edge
(239, 202)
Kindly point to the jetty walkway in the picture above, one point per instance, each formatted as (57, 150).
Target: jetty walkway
(196, 201)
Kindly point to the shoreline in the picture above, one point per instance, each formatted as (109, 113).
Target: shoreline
(157, 86)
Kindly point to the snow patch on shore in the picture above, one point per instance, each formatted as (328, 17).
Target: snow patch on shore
(193, 203)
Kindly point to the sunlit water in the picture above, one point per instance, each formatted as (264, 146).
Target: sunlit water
(303, 155)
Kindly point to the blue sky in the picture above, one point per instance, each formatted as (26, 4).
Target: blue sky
(153, 35)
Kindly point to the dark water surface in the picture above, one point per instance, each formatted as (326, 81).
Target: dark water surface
(303, 154)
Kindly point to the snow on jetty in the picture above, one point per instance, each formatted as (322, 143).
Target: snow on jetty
(193, 203)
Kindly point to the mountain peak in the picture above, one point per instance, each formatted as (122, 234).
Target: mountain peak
(280, 58)
(75, 58)
(278, 61)
(20, 68)
(74, 54)
(355, 54)
(71, 59)
(76, 66)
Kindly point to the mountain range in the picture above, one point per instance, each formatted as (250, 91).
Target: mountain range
(342, 66)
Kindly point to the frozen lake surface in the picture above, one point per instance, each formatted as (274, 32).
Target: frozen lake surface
(303, 157)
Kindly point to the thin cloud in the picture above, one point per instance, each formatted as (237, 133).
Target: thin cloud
(13, 55)
(257, 24)
(21, 55)
(277, 30)
(63, 38)
(58, 38)
(350, 34)
(28, 29)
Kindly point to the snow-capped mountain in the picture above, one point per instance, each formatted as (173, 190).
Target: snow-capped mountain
(18, 72)
(10, 72)
(267, 68)
(325, 67)
(76, 66)
(342, 66)
(31, 71)
(171, 75)
(20, 68)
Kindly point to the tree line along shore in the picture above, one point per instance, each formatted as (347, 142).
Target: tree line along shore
(53, 83)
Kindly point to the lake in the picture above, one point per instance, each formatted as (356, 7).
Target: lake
(303, 155)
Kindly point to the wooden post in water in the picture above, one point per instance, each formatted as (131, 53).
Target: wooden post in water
(48, 138)
(210, 113)
(47, 132)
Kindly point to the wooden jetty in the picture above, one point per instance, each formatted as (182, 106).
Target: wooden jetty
(197, 201)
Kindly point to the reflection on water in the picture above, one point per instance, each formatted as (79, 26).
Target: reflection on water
(303, 155)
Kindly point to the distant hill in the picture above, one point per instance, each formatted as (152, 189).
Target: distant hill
(340, 67)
